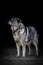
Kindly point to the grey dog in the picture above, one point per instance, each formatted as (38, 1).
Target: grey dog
(23, 36)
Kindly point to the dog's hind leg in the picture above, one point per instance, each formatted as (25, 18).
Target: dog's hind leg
(36, 46)
(29, 49)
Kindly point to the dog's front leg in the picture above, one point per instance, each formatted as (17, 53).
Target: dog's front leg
(23, 50)
(18, 50)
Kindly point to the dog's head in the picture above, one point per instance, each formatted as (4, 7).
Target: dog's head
(14, 21)
(16, 25)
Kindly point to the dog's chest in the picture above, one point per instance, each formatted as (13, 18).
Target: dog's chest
(17, 39)
(15, 35)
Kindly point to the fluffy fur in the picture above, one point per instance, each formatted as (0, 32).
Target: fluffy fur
(23, 36)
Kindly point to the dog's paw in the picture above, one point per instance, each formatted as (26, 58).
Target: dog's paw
(23, 56)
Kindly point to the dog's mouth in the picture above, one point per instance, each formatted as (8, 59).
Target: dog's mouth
(14, 28)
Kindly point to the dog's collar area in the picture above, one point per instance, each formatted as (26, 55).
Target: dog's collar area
(14, 31)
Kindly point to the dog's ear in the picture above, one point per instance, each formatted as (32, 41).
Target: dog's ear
(9, 22)
(18, 20)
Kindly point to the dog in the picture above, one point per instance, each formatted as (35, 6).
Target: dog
(23, 36)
